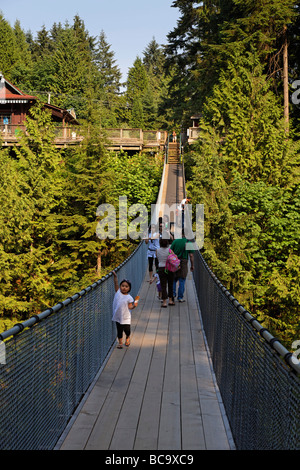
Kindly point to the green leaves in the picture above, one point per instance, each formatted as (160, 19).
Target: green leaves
(48, 201)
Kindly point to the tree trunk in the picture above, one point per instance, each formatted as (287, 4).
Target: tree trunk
(285, 80)
(99, 264)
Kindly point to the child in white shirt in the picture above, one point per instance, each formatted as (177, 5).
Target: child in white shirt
(123, 303)
(158, 286)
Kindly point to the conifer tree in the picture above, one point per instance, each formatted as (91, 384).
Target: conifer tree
(42, 45)
(67, 65)
(246, 172)
(105, 62)
(154, 61)
(107, 81)
(31, 234)
(8, 52)
(137, 83)
(23, 64)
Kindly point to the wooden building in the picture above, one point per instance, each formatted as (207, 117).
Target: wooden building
(14, 107)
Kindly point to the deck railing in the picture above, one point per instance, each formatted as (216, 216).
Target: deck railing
(10, 135)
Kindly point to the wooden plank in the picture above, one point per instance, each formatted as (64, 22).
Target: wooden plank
(215, 433)
(148, 426)
(125, 431)
(102, 434)
(159, 393)
(191, 415)
(170, 425)
(86, 421)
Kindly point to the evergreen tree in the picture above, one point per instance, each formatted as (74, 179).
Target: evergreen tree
(294, 66)
(67, 65)
(137, 83)
(23, 64)
(208, 33)
(8, 52)
(83, 192)
(42, 45)
(188, 53)
(154, 61)
(246, 172)
(15, 217)
(29, 248)
(110, 74)
(107, 81)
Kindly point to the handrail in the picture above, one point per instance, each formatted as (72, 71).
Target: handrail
(49, 361)
(258, 378)
(19, 327)
(167, 149)
(274, 342)
(146, 137)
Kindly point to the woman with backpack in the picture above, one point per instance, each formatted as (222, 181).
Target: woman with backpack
(166, 277)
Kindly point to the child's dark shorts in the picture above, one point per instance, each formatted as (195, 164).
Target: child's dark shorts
(123, 328)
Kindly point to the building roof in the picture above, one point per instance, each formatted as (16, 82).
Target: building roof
(9, 93)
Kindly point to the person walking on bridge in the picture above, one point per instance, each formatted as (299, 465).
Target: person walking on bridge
(180, 246)
(166, 277)
(152, 240)
(123, 303)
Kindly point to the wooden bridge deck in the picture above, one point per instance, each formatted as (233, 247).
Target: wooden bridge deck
(159, 393)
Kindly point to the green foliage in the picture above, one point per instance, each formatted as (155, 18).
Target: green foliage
(30, 193)
(246, 172)
(49, 248)
(138, 180)
(75, 70)
(8, 52)
(49, 197)
(245, 166)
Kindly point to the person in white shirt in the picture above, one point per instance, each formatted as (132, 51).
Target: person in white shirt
(153, 244)
(123, 303)
(180, 209)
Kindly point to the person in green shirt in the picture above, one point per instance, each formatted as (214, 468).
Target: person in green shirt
(179, 246)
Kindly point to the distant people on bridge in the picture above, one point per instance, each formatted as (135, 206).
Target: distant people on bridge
(166, 277)
(166, 222)
(184, 202)
(181, 208)
(180, 248)
(166, 226)
(123, 303)
(152, 241)
(174, 136)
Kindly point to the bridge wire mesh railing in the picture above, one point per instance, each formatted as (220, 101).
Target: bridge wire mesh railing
(52, 358)
(257, 377)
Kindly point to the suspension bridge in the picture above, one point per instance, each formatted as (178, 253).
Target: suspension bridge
(200, 375)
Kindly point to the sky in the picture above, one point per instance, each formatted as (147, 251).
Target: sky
(129, 25)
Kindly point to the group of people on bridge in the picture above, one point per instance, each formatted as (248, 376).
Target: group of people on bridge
(161, 242)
